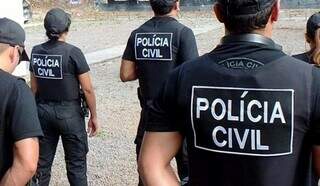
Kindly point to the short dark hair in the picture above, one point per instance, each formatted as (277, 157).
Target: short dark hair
(238, 24)
(162, 7)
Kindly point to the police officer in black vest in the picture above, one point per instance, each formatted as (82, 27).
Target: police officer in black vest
(58, 69)
(19, 123)
(313, 38)
(153, 50)
(250, 113)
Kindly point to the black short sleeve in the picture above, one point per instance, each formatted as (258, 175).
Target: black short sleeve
(162, 112)
(315, 117)
(79, 60)
(23, 113)
(129, 53)
(188, 49)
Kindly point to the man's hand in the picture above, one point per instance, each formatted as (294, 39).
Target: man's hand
(93, 127)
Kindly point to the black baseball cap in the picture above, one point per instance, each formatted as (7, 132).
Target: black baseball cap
(240, 7)
(57, 21)
(13, 34)
(313, 24)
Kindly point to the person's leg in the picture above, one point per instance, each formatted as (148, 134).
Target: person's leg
(138, 147)
(139, 138)
(76, 148)
(75, 144)
(48, 145)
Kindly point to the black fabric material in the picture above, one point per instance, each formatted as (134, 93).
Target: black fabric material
(60, 82)
(304, 57)
(316, 107)
(252, 38)
(171, 112)
(57, 21)
(11, 32)
(65, 120)
(18, 117)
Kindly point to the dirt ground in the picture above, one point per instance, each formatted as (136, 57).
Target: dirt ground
(111, 160)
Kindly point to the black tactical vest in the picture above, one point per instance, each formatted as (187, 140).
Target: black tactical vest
(156, 50)
(255, 119)
(55, 72)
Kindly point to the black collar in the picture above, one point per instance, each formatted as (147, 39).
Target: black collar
(165, 17)
(252, 38)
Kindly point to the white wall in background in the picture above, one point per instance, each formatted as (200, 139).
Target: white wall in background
(12, 9)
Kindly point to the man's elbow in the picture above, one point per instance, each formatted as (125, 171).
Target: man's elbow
(29, 167)
(88, 90)
(123, 78)
(127, 77)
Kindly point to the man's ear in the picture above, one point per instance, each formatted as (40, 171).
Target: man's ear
(11, 54)
(218, 11)
(275, 14)
(14, 55)
(177, 6)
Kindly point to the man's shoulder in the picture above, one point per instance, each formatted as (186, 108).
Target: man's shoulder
(20, 85)
(10, 82)
(8, 78)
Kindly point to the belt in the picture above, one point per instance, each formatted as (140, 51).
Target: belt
(64, 103)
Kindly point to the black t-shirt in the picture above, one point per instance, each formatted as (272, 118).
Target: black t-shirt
(56, 66)
(249, 112)
(18, 117)
(157, 47)
(304, 57)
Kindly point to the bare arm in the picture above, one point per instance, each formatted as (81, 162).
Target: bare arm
(86, 85)
(26, 154)
(128, 71)
(158, 149)
(316, 160)
(34, 85)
